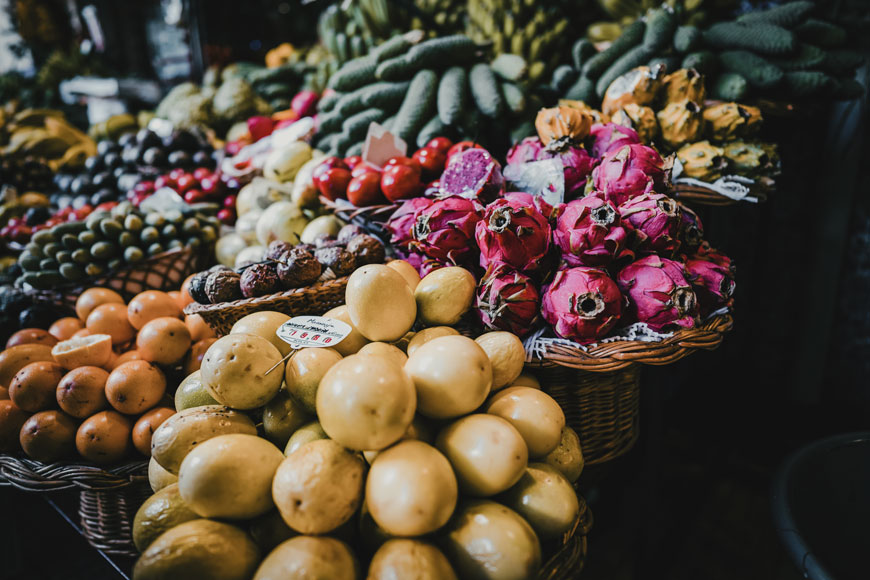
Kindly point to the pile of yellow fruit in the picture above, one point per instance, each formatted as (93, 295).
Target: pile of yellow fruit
(400, 450)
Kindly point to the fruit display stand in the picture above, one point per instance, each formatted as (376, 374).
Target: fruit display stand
(108, 497)
(164, 272)
(315, 299)
(599, 387)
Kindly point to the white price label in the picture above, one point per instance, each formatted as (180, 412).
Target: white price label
(313, 332)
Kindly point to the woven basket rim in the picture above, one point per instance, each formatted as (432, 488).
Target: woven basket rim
(196, 308)
(31, 475)
(701, 195)
(617, 355)
(354, 211)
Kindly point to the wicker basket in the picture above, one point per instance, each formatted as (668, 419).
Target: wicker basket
(599, 388)
(164, 272)
(699, 195)
(371, 219)
(108, 500)
(314, 299)
(568, 560)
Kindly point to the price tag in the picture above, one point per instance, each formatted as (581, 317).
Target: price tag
(381, 145)
(313, 332)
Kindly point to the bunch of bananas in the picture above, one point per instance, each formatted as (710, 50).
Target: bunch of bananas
(521, 27)
(46, 134)
(624, 12)
(350, 29)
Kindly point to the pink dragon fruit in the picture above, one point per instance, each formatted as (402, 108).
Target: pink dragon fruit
(590, 232)
(401, 223)
(538, 202)
(582, 304)
(526, 151)
(472, 174)
(713, 284)
(658, 293)
(628, 172)
(691, 230)
(513, 233)
(706, 252)
(607, 137)
(656, 221)
(576, 162)
(507, 300)
(444, 230)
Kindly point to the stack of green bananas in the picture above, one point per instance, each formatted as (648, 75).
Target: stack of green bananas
(350, 29)
(527, 28)
(782, 53)
(447, 16)
(624, 12)
(421, 90)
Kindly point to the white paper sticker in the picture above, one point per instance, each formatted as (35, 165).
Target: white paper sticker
(381, 145)
(544, 178)
(313, 332)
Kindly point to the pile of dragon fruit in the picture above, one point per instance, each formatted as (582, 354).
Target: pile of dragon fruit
(616, 252)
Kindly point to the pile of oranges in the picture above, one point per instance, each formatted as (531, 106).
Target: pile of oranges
(96, 383)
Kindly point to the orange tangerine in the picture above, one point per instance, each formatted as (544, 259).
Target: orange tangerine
(194, 357)
(135, 387)
(198, 328)
(93, 297)
(144, 428)
(164, 340)
(93, 350)
(82, 392)
(151, 304)
(104, 437)
(185, 290)
(181, 299)
(111, 319)
(31, 336)
(65, 328)
(126, 357)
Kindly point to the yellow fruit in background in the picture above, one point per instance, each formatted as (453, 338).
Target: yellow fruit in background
(444, 295)
(408, 272)
(567, 457)
(353, 341)
(192, 393)
(161, 512)
(535, 414)
(385, 350)
(230, 476)
(403, 558)
(264, 324)
(526, 380)
(282, 416)
(380, 303)
(506, 354)
(545, 499)
(305, 434)
(452, 376)
(427, 334)
(158, 477)
(234, 371)
(366, 402)
(199, 549)
(309, 557)
(305, 370)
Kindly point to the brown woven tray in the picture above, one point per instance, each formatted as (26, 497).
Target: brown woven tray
(30, 475)
(372, 219)
(164, 272)
(698, 195)
(314, 299)
(107, 517)
(568, 561)
(599, 389)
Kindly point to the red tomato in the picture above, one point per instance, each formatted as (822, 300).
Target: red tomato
(401, 182)
(365, 190)
(210, 185)
(431, 160)
(201, 173)
(364, 168)
(230, 202)
(226, 216)
(410, 162)
(144, 187)
(333, 182)
(161, 182)
(185, 182)
(460, 147)
(440, 143)
(176, 173)
(327, 164)
(352, 161)
(194, 196)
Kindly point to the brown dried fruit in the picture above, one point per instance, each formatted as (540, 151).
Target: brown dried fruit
(366, 249)
(339, 260)
(348, 232)
(298, 268)
(223, 286)
(259, 280)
